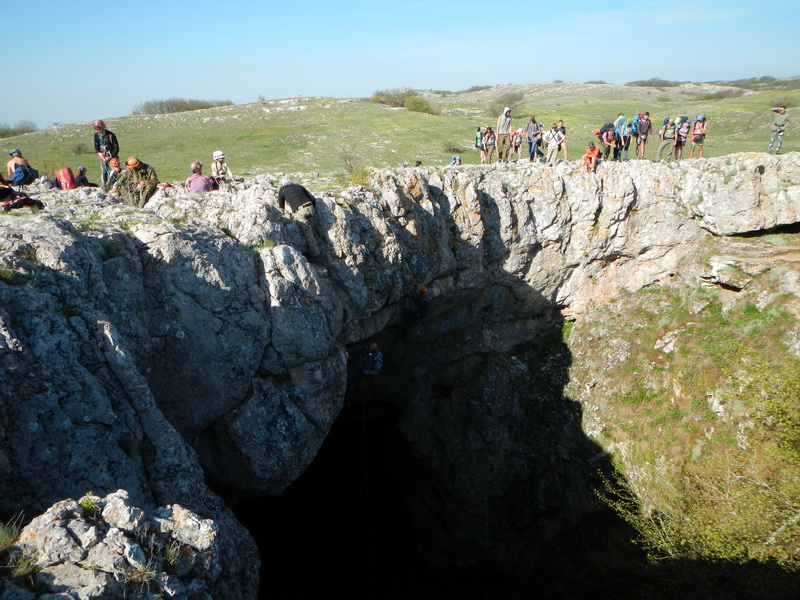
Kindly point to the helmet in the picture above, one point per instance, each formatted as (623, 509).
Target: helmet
(114, 162)
(423, 290)
(133, 162)
(15, 152)
(218, 154)
(99, 123)
(81, 169)
(195, 167)
(701, 117)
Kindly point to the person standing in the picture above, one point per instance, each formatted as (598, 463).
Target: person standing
(698, 136)
(487, 145)
(302, 205)
(682, 129)
(563, 145)
(667, 136)
(619, 123)
(137, 184)
(106, 147)
(779, 122)
(479, 144)
(533, 132)
(504, 135)
(553, 139)
(643, 128)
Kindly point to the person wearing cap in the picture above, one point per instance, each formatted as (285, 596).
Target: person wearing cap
(667, 136)
(81, 180)
(106, 147)
(197, 183)
(114, 172)
(698, 136)
(137, 184)
(302, 205)
(16, 159)
(504, 135)
(220, 171)
(591, 157)
(643, 128)
(533, 132)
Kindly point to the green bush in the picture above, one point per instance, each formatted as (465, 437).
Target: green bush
(395, 97)
(173, 105)
(655, 82)
(418, 104)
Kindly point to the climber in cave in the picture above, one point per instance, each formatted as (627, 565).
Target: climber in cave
(371, 365)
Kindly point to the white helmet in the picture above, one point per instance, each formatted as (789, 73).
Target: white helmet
(218, 154)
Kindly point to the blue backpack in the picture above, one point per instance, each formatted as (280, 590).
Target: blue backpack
(24, 174)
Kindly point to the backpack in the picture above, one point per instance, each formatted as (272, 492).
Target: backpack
(24, 174)
(635, 126)
(603, 129)
(22, 202)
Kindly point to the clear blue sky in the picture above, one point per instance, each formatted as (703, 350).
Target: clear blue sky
(92, 59)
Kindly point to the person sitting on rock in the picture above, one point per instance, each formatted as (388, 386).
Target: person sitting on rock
(81, 180)
(591, 157)
(137, 184)
(220, 171)
(197, 183)
(114, 172)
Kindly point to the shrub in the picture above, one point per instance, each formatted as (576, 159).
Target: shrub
(9, 533)
(418, 104)
(395, 97)
(451, 147)
(78, 148)
(597, 82)
(21, 127)
(173, 105)
(655, 82)
(476, 88)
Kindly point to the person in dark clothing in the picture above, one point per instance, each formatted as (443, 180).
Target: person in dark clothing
(81, 180)
(302, 205)
(106, 146)
(422, 301)
(371, 365)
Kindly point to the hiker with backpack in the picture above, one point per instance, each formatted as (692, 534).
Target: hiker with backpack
(682, 128)
(114, 173)
(643, 128)
(19, 170)
(137, 183)
(303, 207)
(698, 135)
(106, 147)
(667, 136)
(608, 140)
(619, 123)
(779, 122)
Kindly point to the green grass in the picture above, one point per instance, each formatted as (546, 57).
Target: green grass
(306, 134)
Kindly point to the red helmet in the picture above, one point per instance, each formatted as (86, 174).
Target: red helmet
(100, 124)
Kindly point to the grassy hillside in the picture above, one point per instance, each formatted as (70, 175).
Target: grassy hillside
(318, 135)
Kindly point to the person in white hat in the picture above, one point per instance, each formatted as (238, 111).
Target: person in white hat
(220, 171)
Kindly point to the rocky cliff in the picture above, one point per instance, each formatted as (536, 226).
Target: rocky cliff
(156, 349)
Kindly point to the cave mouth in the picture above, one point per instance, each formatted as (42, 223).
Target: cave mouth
(345, 524)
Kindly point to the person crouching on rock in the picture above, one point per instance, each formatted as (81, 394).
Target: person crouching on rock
(137, 184)
(197, 182)
(302, 204)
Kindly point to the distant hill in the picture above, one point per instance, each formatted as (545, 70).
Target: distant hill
(327, 136)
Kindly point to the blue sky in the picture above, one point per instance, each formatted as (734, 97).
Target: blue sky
(92, 59)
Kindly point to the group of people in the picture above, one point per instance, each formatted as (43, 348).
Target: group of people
(508, 141)
(138, 182)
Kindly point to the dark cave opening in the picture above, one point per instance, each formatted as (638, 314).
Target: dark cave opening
(344, 525)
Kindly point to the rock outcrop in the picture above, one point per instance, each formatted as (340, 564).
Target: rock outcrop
(146, 349)
(107, 548)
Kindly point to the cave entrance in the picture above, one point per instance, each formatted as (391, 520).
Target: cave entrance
(344, 525)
